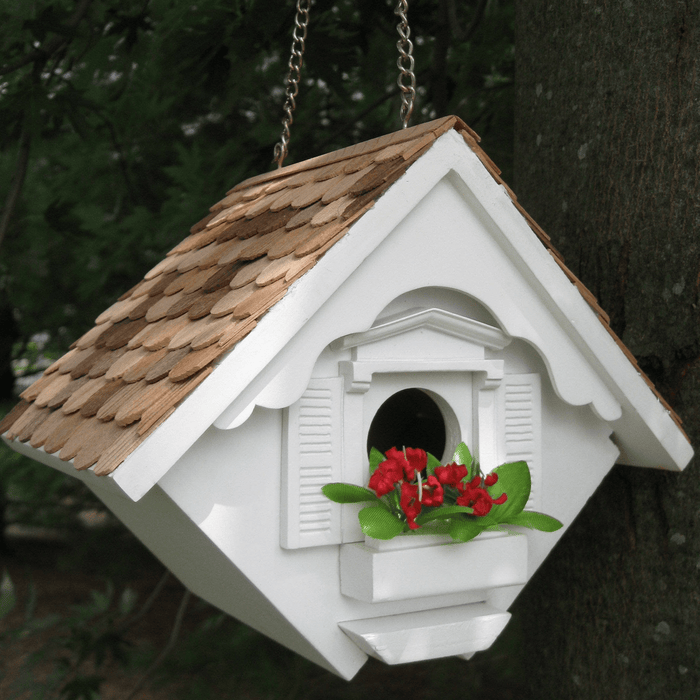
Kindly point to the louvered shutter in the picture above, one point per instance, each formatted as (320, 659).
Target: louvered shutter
(520, 423)
(313, 458)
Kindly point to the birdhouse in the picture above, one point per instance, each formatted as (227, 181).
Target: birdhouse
(391, 293)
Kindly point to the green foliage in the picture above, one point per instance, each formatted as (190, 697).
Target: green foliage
(380, 523)
(348, 493)
(85, 639)
(506, 491)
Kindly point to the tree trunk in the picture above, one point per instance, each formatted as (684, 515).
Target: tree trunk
(608, 162)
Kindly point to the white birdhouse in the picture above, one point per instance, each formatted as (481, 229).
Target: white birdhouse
(391, 293)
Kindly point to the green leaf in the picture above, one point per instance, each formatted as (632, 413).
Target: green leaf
(379, 523)
(8, 598)
(443, 513)
(536, 521)
(463, 456)
(375, 459)
(514, 481)
(433, 462)
(464, 530)
(348, 493)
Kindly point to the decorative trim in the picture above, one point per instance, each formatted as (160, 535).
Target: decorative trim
(358, 373)
(435, 319)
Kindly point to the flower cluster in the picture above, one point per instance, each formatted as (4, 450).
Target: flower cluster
(402, 470)
(411, 492)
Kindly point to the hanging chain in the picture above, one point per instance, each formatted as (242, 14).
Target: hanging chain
(301, 22)
(405, 62)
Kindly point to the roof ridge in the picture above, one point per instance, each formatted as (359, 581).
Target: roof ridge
(436, 126)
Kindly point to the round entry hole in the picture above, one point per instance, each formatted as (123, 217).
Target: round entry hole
(409, 418)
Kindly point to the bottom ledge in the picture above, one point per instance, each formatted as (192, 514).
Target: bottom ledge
(428, 634)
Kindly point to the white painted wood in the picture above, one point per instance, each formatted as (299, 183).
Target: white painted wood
(373, 575)
(519, 427)
(313, 452)
(418, 636)
(435, 319)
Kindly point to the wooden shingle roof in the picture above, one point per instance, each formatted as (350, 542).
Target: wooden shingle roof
(162, 338)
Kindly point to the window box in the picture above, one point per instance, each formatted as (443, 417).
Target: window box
(414, 566)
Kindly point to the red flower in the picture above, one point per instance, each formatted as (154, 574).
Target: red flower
(432, 492)
(451, 474)
(385, 476)
(491, 479)
(478, 498)
(415, 460)
(410, 504)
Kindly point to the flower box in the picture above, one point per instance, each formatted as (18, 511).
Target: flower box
(414, 566)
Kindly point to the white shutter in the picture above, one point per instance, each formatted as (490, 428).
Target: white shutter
(313, 458)
(520, 425)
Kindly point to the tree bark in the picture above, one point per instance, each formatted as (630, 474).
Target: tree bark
(607, 160)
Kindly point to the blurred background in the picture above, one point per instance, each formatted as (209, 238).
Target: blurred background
(122, 121)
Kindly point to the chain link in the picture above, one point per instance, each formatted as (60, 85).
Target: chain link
(301, 22)
(407, 78)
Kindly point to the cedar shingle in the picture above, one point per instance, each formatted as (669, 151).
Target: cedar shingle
(82, 434)
(99, 398)
(222, 278)
(304, 216)
(182, 389)
(275, 270)
(183, 304)
(344, 185)
(32, 391)
(332, 211)
(291, 241)
(63, 430)
(120, 334)
(125, 362)
(27, 424)
(132, 410)
(123, 394)
(139, 370)
(162, 307)
(62, 396)
(55, 366)
(236, 332)
(75, 359)
(185, 335)
(202, 307)
(118, 450)
(104, 362)
(228, 303)
(95, 442)
(161, 337)
(214, 329)
(87, 339)
(43, 426)
(260, 300)
(162, 368)
(249, 271)
(164, 281)
(87, 363)
(319, 237)
(82, 395)
(194, 362)
(13, 415)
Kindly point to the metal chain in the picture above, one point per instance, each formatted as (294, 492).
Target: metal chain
(301, 22)
(405, 63)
